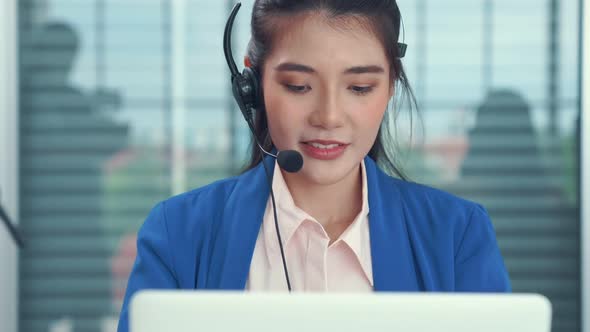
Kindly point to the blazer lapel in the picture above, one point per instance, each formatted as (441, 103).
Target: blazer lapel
(240, 224)
(391, 253)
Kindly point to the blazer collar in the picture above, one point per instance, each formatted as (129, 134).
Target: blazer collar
(240, 223)
(391, 250)
(391, 254)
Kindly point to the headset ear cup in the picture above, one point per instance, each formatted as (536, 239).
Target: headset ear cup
(252, 76)
(259, 91)
(260, 115)
(245, 90)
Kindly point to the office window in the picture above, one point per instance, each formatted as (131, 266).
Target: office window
(497, 85)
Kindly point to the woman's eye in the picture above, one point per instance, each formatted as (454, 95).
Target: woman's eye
(361, 90)
(297, 88)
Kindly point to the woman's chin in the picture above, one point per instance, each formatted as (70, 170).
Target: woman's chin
(323, 172)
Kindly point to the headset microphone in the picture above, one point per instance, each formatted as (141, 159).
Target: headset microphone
(290, 160)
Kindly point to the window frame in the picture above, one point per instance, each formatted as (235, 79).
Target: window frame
(585, 165)
(9, 160)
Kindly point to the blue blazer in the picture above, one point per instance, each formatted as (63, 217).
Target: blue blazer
(422, 239)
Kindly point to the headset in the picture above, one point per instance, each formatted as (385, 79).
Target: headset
(248, 95)
(245, 86)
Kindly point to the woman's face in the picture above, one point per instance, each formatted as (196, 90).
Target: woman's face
(326, 88)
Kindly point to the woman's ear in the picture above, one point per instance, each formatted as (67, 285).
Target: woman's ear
(247, 62)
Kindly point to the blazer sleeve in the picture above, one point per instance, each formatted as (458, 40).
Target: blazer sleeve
(479, 266)
(153, 267)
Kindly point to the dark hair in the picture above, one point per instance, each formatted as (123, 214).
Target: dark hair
(381, 16)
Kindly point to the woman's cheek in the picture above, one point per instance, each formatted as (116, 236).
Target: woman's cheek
(293, 109)
(365, 113)
(283, 120)
(376, 107)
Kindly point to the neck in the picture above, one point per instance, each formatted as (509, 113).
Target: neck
(337, 203)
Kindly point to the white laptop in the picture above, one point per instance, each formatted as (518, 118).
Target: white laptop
(183, 311)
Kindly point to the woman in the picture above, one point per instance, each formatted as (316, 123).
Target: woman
(328, 70)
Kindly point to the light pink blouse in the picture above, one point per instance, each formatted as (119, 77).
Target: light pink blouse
(313, 264)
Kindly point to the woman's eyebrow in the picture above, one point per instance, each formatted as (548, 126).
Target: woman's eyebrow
(297, 67)
(373, 69)
(290, 66)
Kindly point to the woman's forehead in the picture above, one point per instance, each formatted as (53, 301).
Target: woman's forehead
(316, 39)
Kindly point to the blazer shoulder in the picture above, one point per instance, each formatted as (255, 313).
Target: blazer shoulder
(436, 206)
(434, 197)
(190, 215)
(450, 233)
(215, 191)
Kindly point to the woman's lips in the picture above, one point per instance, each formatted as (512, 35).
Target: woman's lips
(324, 149)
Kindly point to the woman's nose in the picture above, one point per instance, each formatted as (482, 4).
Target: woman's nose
(328, 114)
